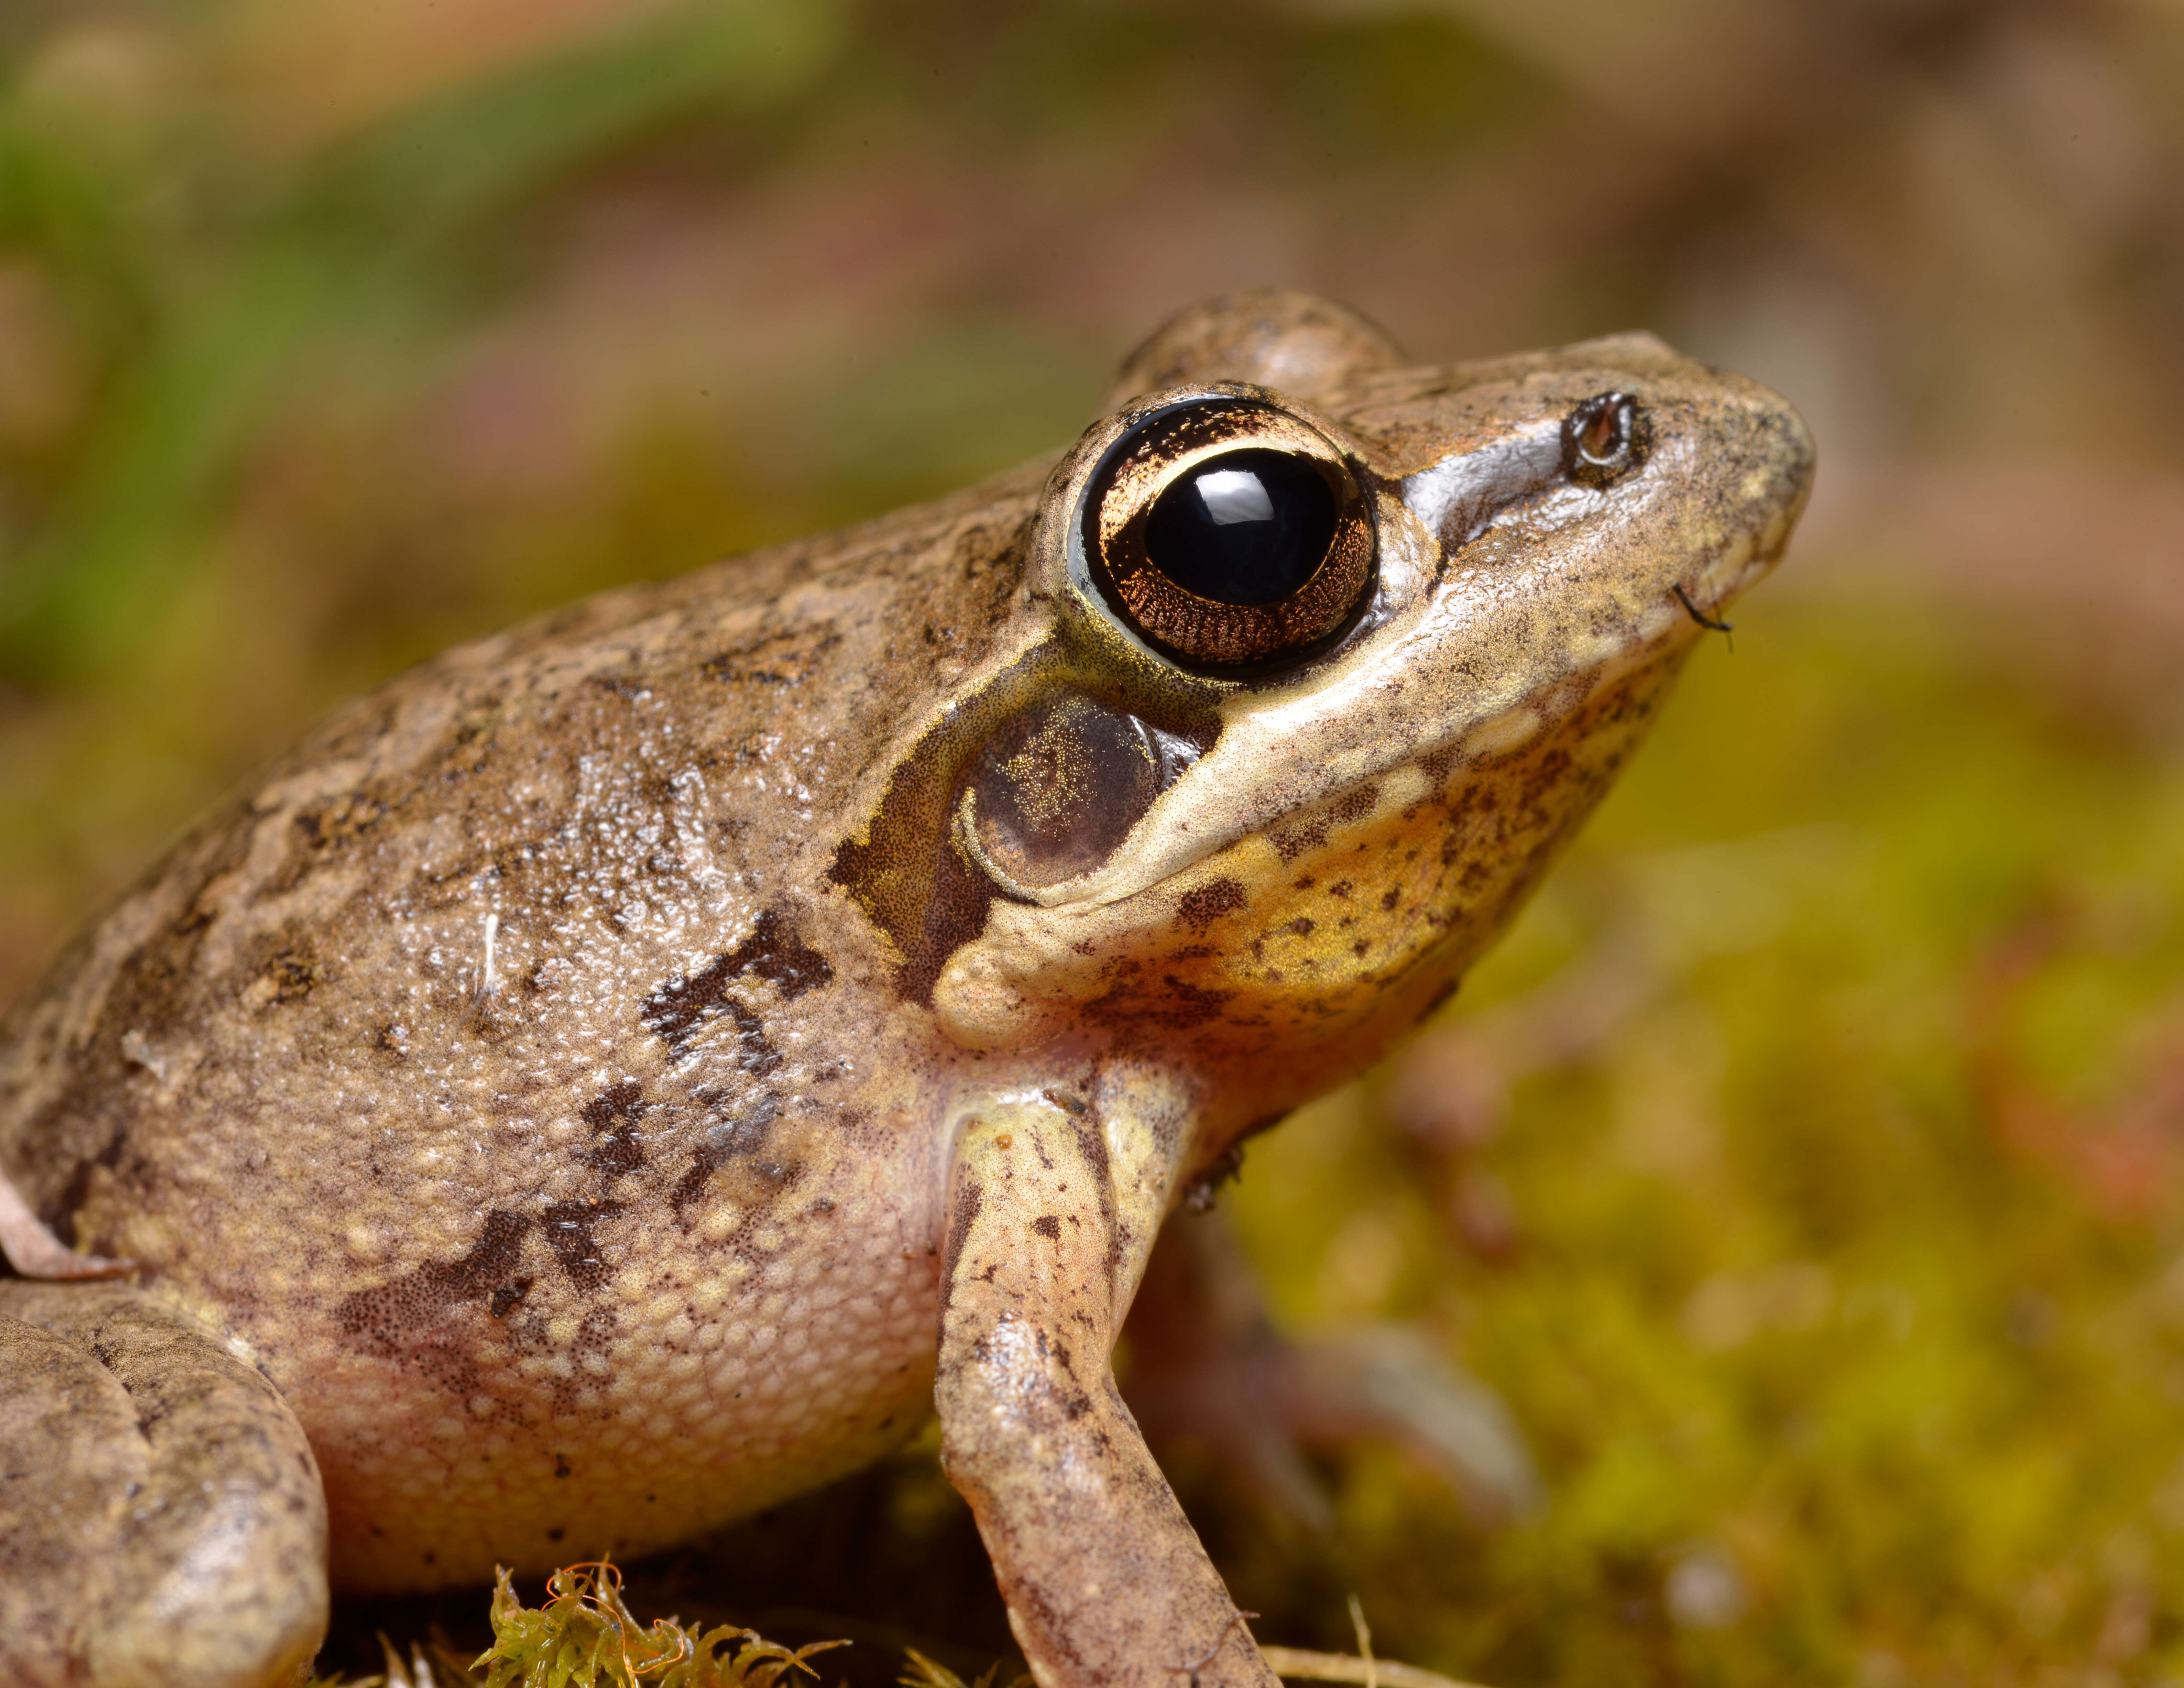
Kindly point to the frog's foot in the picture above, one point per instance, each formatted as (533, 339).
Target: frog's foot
(161, 1521)
(1105, 1578)
(35, 1252)
(1207, 1367)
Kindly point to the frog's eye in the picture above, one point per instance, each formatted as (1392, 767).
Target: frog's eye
(1228, 535)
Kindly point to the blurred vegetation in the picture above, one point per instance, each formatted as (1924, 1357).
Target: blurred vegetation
(1835, 1278)
(1805, 1171)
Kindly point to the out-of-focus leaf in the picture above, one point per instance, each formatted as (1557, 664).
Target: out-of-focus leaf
(372, 215)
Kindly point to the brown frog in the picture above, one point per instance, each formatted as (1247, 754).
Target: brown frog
(632, 1068)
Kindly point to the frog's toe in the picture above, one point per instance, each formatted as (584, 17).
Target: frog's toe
(1207, 1367)
(161, 1520)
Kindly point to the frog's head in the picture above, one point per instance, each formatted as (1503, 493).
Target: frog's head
(1317, 662)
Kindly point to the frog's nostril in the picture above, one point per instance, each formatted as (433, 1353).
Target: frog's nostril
(1603, 439)
(1597, 441)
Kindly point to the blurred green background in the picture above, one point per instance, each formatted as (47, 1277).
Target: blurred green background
(1808, 1173)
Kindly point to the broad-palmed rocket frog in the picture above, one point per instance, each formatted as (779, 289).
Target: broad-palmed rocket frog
(633, 1068)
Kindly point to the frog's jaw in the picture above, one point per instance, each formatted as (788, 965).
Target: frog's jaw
(1293, 957)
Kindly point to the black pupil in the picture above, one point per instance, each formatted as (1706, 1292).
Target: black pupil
(1244, 528)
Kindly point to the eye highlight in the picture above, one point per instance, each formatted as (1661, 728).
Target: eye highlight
(1228, 535)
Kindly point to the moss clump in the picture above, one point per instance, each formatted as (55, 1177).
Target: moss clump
(584, 1636)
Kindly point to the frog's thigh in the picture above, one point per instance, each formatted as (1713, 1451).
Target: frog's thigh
(1105, 1578)
(161, 1520)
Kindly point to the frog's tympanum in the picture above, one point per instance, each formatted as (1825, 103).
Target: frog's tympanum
(633, 1068)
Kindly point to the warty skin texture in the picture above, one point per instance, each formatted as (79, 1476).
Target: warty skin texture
(590, 1078)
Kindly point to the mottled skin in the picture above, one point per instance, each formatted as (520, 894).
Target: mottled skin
(587, 1075)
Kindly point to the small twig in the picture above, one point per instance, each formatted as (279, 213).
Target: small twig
(1364, 1641)
(1311, 1667)
(1712, 624)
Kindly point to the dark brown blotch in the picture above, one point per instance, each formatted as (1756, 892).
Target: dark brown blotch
(382, 1319)
(1203, 904)
(737, 1138)
(508, 1297)
(773, 952)
(619, 1104)
(288, 968)
(567, 1228)
(776, 954)
(1293, 840)
(1355, 803)
(963, 1213)
(613, 1113)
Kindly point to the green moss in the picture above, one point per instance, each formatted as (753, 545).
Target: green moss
(920, 1672)
(585, 1636)
(1842, 1315)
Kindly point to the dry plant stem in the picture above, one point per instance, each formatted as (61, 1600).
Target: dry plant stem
(1298, 1663)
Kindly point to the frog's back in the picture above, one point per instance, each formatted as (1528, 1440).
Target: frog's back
(492, 1069)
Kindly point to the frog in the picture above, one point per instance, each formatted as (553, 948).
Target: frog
(643, 1065)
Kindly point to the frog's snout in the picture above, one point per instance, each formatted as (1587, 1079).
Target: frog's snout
(1757, 457)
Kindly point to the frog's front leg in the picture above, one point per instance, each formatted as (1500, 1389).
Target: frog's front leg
(161, 1519)
(1106, 1581)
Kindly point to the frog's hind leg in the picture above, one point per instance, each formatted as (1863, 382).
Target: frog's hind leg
(161, 1519)
(1207, 1365)
(1105, 1578)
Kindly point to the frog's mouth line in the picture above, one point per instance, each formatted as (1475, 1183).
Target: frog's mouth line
(1403, 776)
